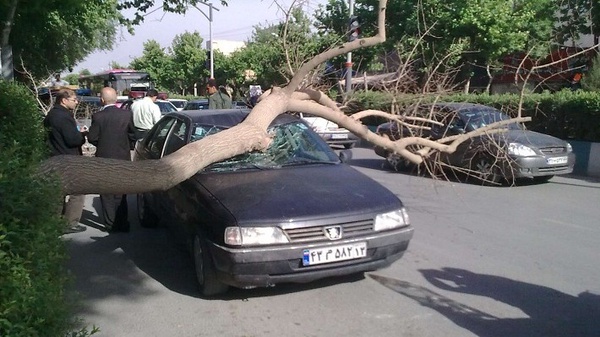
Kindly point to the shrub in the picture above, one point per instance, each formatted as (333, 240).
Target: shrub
(32, 255)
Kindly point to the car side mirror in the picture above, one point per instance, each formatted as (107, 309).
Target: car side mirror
(345, 156)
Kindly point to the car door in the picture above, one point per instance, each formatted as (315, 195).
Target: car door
(179, 202)
(152, 147)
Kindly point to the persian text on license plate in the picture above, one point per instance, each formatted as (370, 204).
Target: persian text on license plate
(339, 136)
(334, 253)
(557, 160)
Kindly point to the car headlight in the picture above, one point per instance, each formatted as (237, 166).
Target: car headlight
(569, 148)
(238, 236)
(391, 220)
(518, 149)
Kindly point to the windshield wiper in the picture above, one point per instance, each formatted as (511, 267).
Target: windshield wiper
(305, 161)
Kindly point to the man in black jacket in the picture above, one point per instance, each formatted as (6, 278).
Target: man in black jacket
(113, 134)
(64, 137)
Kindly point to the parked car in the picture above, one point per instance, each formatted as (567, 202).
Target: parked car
(196, 104)
(164, 105)
(287, 214)
(179, 103)
(515, 153)
(329, 131)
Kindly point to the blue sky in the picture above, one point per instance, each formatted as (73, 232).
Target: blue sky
(235, 23)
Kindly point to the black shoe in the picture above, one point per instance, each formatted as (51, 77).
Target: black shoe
(74, 229)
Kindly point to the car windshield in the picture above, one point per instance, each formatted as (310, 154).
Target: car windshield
(293, 144)
(475, 119)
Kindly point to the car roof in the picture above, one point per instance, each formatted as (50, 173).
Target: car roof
(225, 117)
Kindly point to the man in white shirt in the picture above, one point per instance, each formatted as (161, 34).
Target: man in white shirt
(145, 113)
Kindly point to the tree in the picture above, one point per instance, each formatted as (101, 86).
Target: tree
(478, 32)
(72, 29)
(155, 61)
(187, 61)
(80, 175)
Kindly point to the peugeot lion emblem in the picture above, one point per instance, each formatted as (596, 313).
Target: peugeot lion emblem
(333, 232)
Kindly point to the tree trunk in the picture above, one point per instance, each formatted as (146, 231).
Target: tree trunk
(8, 22)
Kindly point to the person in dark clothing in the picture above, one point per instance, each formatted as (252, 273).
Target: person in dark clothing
(64, 137)
(113, 134)
(219, 98)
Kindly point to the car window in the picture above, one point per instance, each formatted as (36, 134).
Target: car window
(158, 137)
(165, 107)
(292, 144)
(178, 104)
(478, 118)
(177, 138)
(196, 105)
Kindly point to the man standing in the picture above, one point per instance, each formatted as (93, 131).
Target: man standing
(113, 134)
(65, 138)
(145, 113)
(218, 99)
(57, 82)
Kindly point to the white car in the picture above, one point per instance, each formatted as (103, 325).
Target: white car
(179, 103)
(330, 131)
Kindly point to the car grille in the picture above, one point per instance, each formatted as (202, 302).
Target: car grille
(316, 233)
(554, 150)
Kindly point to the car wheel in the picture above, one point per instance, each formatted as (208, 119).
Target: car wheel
(146, 217)
(542, 179)
(485, 169)
(398, 163)
(349, 146)
(206, 276)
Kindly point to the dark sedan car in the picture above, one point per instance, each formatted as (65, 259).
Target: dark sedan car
(287, 214)
(196, 104)
(515, 153)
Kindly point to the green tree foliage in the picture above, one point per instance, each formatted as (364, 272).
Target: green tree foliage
(32, 276)
(591, 80)
(188, 60)
(155, 61)
(51, 36)
(273, 52)
(577, 17)
(480, 31)
(176, 68)
(142, 6)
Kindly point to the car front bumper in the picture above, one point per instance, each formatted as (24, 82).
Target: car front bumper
(267, 266)
(529, 167)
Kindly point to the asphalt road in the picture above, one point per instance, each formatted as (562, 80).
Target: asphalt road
(484, 261)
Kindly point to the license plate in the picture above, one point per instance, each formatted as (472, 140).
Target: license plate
(334, 254)
(557, 160)
(339, 136)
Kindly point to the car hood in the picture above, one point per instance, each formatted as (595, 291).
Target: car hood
(297, 193)
(532, 139)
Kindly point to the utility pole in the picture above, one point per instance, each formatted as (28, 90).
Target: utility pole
(349, 56)
(209, 17)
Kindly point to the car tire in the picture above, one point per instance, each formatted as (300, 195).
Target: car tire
(485, 169)
(542, 179)
(349, 146)
(208, 282)
(398, 163)
(145, 215)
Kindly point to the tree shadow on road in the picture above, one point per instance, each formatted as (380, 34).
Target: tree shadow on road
(551, 312)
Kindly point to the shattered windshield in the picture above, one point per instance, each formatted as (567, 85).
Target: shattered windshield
(475, 119)
(293, 144)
